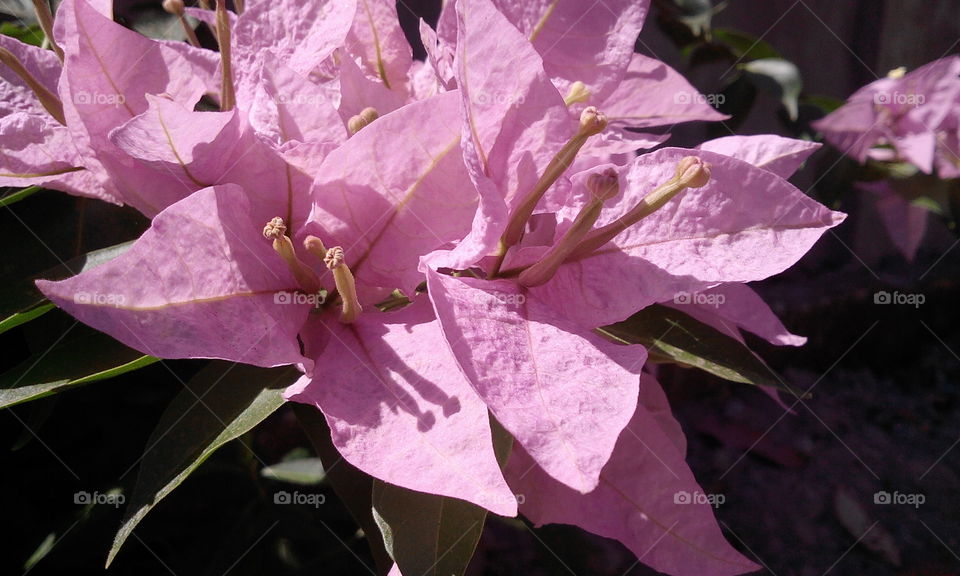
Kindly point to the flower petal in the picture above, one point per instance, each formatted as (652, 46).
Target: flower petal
(746, 224)
(401, 411)
(388, 196)
(564, 395)
(200, 283)
(654, 94)
(647, 499)
(514, 121)
(735, 305)
(782, 156)
(377, 38)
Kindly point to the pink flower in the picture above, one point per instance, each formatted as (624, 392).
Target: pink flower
(204, 283)
(917, 114)
(521, 318)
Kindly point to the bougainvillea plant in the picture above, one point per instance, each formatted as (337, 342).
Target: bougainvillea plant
(463, 259)
(906, 126)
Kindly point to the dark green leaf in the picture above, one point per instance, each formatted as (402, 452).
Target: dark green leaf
(673, 336)
(20, 301)
(825, 103)
(219, 404)
(353, 487)
(425, 533)
(745, 46)
(79, 361)
(18, 195)
(429, 534)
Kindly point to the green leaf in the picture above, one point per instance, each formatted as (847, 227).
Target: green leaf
(222, 402)
(25, 315)
(303, 471)
(32, 35)
(745, 46)
(21, 302)
(18, 195)
(353, 487)
(425, 533)
(673, 336)
(429, 534)
(72, 363)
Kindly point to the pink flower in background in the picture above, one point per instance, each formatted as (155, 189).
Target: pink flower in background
(912, 117)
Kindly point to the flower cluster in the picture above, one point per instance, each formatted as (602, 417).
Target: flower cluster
(912, 117)
(462, 226)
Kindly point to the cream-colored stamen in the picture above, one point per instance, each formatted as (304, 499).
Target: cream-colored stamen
(307, 279)
(361, 120)
(692, 172)
(897, 73)
(592, 122)
(177, 8)
(602, 186)
(578, 93)
(346, 285)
